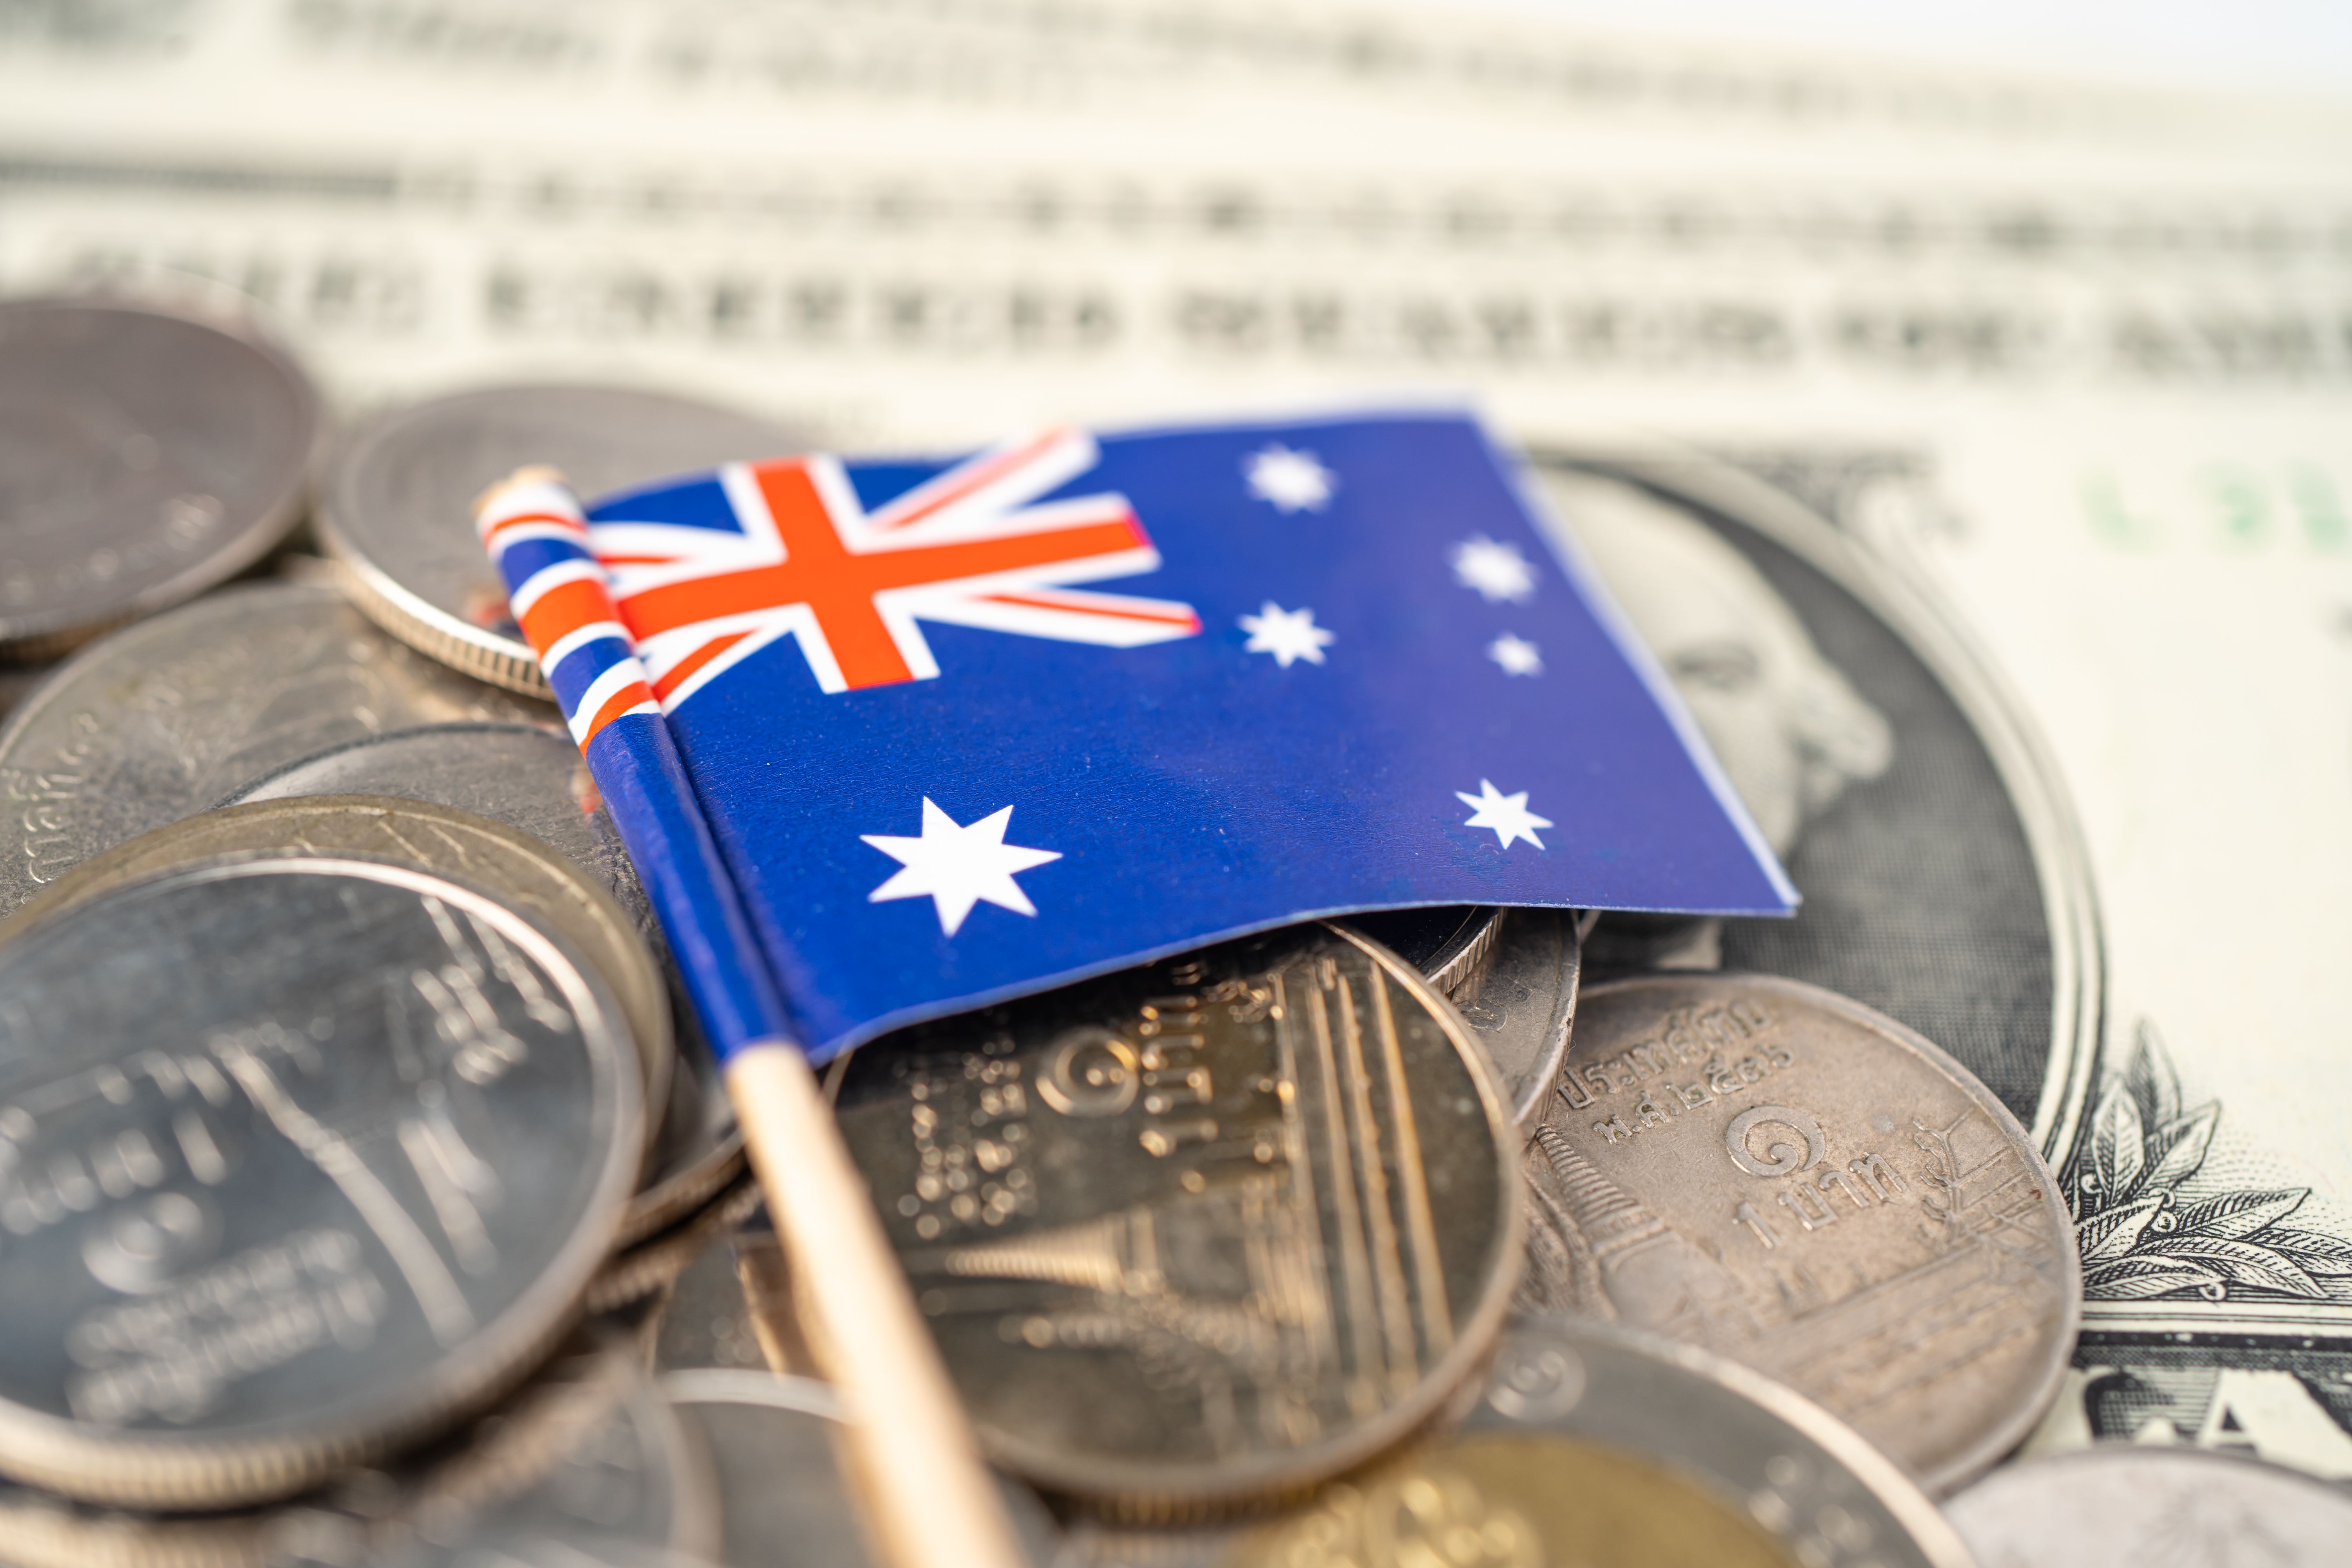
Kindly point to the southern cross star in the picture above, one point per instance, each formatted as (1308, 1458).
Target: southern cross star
(1288, 634)
(1292, 480)
(1515, 654)
(957, 868)
(1497, 570)
(1507, 814)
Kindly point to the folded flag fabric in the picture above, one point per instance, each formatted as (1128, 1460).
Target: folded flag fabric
(960, 730)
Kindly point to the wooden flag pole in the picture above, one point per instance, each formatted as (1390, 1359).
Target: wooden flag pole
(926, 1498)
(931, 1501)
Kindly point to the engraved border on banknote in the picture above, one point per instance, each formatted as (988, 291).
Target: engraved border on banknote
(1915, 612)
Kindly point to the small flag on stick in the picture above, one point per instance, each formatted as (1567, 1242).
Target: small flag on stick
(930, 1502)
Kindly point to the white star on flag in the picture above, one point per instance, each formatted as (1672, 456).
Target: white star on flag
(1496, 570)
(1292, 480)
(1515, 654)
(1288, 634)
(1507, 814)
(957, 868)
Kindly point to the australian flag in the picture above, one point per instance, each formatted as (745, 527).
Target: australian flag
(965, 728)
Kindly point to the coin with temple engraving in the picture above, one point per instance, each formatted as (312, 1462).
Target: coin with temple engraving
(534, 779)
(168, 717)
(145, 455)
(399, 511)
(300, 1159)
(1790, 1179)
(1809, 1480)
(1205, 1231)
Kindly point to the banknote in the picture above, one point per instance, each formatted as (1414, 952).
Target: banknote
(2001, 416)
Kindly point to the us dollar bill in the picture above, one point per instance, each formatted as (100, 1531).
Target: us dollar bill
(2001, 416)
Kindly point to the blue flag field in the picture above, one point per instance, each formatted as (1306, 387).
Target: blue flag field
(965, 728)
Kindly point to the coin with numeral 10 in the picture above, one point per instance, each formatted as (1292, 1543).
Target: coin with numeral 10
(1783, 1175)
(1205, 1231)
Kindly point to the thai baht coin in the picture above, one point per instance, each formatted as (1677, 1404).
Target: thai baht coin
(399, 510)
(145, 455)
(1775, 1173)
(300, 1160)
(1207, 1230)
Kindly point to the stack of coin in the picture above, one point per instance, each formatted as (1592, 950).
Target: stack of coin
(367, 1195)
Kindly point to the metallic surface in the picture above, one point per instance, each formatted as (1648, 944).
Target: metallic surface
(304, 1158)
(1806, 1477)
(2134, 1506)
(591, 1470)
(1525, 1499)
(1787, 1178)
(522, 870)
(166, 718)
(398, 511)
(1521, 1006)
(533, 779)
(144, 457)
(784, 1492)
(1203, 1231)
(1451, 944)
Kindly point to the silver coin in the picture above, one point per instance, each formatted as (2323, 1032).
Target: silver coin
(528, 776)
(299, 1159)
(596, 1470)
(784, 1495)
(517, 868)
(1451, 944)
(399, 510)
(1521, 1006)
(710, 1318)
(166, 717)
(1807, 1478)
(1786, 1177)
(586, 1464)
(1201, 1232)
(2125, 1505)
(144, 457)
(533, 779)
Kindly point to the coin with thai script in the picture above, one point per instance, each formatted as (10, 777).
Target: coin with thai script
(1516, 1499)
(2130, 1505)
(784, 1494)
(1810, 1480)
(1203, 1231)
(300, 1159)
(145, 455)
(399, 510)
(167, 716)
(534, 779)
(1783, 1175)
(522, 870)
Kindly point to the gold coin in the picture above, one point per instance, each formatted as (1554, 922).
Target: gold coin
(1515, 1499)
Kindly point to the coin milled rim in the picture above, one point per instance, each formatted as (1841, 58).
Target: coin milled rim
(1972, 1459)
(167, 1471)
(1147, 1490)
(36, 637)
